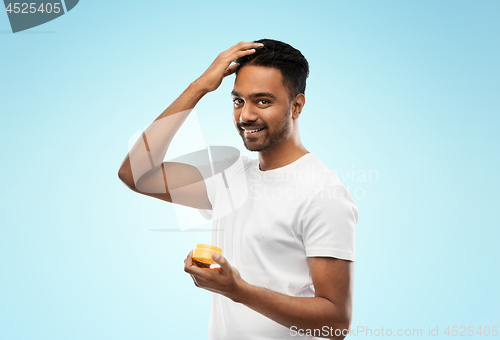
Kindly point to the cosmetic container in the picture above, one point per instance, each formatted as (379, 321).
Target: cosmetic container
(203, 253)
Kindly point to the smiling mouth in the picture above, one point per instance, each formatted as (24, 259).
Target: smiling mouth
(252, 132)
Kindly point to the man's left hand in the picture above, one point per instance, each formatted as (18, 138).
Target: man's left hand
(224, 280)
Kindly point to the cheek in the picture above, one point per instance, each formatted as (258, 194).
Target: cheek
(273, 119)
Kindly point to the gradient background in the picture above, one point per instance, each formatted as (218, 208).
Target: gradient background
(409, 89)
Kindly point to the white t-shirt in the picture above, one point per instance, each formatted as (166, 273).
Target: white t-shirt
(267, 224)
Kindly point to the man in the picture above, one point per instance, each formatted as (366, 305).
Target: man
(289, 249)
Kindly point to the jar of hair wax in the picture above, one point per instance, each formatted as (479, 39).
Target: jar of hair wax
(203, 253)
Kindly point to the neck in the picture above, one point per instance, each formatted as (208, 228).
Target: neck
(283, 154)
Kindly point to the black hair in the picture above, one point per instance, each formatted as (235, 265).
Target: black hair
(292, 64)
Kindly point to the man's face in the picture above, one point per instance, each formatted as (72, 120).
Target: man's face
(261, 102)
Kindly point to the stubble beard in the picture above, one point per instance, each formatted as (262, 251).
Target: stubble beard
(269, 142)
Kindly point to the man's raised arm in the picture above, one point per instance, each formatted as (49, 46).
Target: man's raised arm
(143, 169)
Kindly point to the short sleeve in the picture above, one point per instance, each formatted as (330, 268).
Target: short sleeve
(329, 223)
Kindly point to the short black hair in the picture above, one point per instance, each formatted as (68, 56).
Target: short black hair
(292, 64)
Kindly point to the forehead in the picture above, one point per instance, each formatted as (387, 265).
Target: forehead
(254, 79)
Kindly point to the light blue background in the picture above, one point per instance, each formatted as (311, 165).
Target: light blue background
(406, 88)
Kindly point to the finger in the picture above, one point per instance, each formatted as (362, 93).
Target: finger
(242, 46)
(239, 54)
(245, 45)
(231, 69)
(221, 261)
(191, 268)
(189, 258)
(188, 262)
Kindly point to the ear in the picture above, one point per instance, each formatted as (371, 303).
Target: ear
(297, 104)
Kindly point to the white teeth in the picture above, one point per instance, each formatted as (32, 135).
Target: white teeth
(250, 131)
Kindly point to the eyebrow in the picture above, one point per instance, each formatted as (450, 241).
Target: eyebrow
(255, 95)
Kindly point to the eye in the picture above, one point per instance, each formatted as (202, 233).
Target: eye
(237, 101)
(263, 101)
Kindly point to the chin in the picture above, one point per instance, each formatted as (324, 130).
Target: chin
(252, 147)
(265, 145)
(257, 147)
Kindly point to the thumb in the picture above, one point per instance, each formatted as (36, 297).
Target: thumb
(220, 260)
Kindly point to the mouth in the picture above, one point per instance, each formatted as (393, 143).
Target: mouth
(252, 132)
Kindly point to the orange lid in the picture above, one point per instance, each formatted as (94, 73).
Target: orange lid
(203, 253)
(214, 248)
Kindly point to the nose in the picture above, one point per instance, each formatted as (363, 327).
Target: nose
(247, 115)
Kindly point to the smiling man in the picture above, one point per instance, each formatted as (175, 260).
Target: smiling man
(289, 249)
(274, 108)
